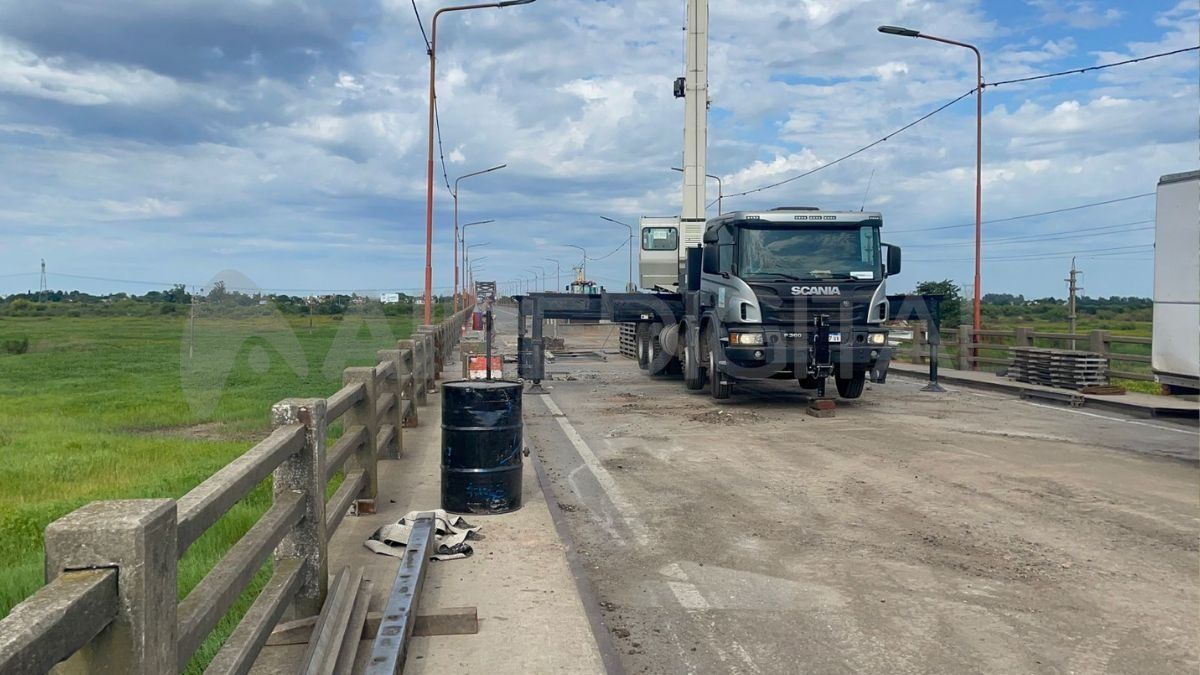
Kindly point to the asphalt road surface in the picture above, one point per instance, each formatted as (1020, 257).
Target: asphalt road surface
(912, 533)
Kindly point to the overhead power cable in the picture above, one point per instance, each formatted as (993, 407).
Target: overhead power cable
(1075, 71)
(618, 248)
(843, 158)
(1048, 254)
(950, 103)
(1026, 215)
(437, 121)
(421, 25)
(1120, 228)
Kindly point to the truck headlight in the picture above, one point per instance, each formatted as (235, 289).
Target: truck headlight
(877, 338)
(746, 338)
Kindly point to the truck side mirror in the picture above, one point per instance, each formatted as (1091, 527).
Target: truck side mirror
(710, 236)
(893, 260)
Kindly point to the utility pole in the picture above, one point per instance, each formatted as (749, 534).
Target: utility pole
(1072, 290)
(191, 323)
(42, 286)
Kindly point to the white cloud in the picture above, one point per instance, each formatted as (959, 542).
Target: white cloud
(24, 72)
(146, 208)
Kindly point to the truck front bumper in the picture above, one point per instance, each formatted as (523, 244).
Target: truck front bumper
(783, 351)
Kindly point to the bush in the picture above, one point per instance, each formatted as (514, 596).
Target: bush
(167, 309)
(12, 346)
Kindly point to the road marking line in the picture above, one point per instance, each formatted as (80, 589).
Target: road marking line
(603, 477)
(687, 595)
(674, 571)
(1114, 419)
(607, 521)
(745, 656)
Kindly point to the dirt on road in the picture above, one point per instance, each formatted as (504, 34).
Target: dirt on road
(912, 533)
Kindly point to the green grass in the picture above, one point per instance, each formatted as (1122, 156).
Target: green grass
(107, 408)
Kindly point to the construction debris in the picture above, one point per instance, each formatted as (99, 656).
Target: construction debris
(1063, 368)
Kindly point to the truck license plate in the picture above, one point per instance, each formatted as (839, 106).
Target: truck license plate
(835, 337)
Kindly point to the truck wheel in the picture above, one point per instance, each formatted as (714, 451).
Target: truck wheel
(642, 339)
(693, 377)
(716, 388)
(657, 360)
(851, 387)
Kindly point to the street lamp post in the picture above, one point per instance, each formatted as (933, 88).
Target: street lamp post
(455, 195)
(429, 165)
(467, 261)
(557, 273)
(557, 287)
(464, 246)
(475, 265)
(543, 269)
(584, 251)
(720, 187)
(629, 287)
(908, 32)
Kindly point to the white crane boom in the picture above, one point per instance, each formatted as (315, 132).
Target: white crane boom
(695, 124)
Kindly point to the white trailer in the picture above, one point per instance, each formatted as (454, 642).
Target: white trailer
(1175, 354)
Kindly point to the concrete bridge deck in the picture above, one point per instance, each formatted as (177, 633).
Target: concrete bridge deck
(969, 531)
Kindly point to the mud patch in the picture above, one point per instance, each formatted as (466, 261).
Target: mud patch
(725, 417)
(206, 431)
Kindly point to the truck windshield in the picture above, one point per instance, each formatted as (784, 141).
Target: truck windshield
(809, 253)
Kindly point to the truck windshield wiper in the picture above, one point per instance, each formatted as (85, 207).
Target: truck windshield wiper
(790, 277)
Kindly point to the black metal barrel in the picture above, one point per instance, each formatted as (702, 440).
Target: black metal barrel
(481, 446)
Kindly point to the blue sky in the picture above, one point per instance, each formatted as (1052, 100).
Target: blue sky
(166, 142)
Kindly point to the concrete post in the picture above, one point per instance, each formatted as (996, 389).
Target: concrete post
(138, 537)
(408, 369)
(304, 472)
(363, 414)
(918, 342)
(964, 347)
(416, 347)
(1023, 337)
(435, 352)
(428, 361)
(396, 418)
(1098, 341)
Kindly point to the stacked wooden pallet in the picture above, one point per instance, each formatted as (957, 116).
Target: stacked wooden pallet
(628, 340)
(1063, 368)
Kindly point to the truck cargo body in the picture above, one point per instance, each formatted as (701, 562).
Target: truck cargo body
(1175, 353)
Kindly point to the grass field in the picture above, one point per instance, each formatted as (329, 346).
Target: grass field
(115, 407)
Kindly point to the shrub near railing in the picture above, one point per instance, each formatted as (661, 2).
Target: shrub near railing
(109, 604)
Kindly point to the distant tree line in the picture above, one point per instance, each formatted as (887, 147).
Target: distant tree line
(1009, 308)
(176, 300)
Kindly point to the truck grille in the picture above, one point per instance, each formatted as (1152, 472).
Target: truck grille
(800, 312)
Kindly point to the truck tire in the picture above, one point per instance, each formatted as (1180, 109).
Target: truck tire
(851, 387)
(693, 376)
(716, 388)
(658, 362)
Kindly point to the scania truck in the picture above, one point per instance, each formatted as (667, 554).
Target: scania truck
(792, 292)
